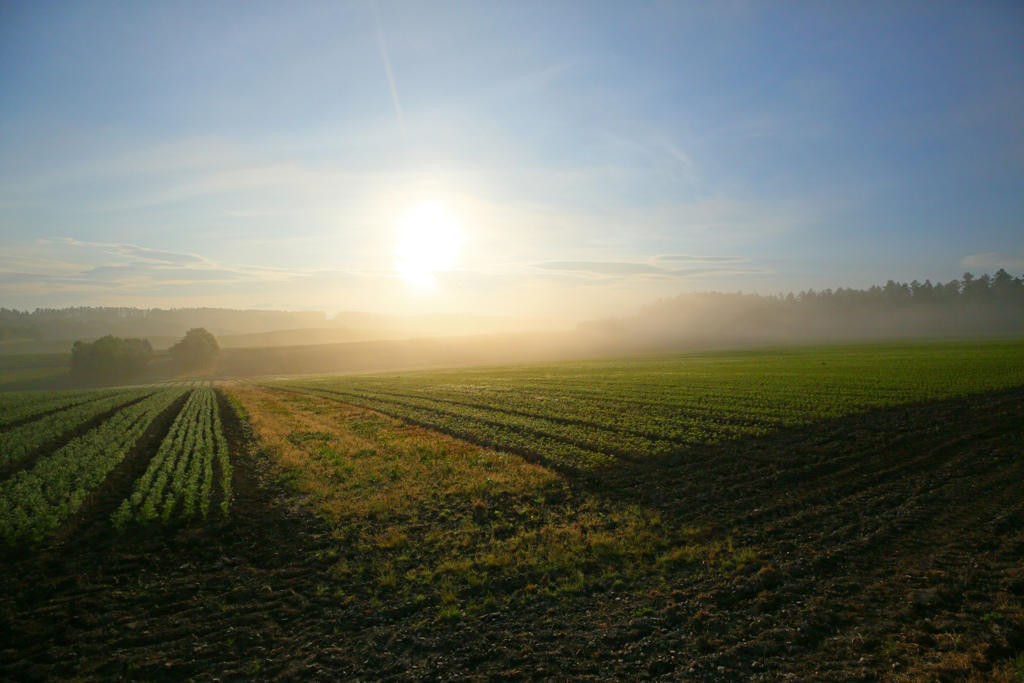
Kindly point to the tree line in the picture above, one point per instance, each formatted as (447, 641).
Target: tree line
(969, 307)
(109, 358)
(112, 359)
(91, 321)
(999, 288)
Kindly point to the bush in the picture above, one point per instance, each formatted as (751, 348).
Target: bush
(109, 358)
(196, 350)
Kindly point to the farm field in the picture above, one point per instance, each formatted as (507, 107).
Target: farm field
(587, 414)
(34, 371)
(837, 513)
(59, 448)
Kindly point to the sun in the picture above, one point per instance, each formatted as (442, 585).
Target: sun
(429, 239)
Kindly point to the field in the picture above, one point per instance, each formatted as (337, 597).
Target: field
(833, 513)
(34, 371)
(587, 414)
(60, 447)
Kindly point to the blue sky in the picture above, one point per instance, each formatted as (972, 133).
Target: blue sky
(590, 156)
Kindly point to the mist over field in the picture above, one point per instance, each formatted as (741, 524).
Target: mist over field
(278, 342)
(894, 312)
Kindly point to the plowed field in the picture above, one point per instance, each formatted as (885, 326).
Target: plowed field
(888, 546)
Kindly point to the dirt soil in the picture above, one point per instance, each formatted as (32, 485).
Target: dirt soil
(890, 546)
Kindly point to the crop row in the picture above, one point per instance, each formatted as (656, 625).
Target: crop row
(25, 405)
(638, 423)
(180, 477)
(534, 445)
(564, 427)
(35, 501)
(588, 412)
(20, 441)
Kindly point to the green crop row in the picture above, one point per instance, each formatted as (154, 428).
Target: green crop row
(36, 501)
(20, 441)
(534, 445)
(19, 406)
(599, 444)
(179, 479)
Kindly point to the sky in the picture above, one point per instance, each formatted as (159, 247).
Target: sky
(555, 160)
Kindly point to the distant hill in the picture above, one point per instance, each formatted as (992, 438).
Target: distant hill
(54, 330)
(306, 337)
(87, 322)
(986, 306)
(404, 354)
(980, 307)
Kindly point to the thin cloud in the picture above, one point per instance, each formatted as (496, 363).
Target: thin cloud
(610, 270)
(144, 254)
(391, 77)
(689, 258)
(634, 269)
(695, 272)
(602, 267)
(148, 274)
(993, 262)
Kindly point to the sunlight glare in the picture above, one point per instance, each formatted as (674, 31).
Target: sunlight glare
(429, 239)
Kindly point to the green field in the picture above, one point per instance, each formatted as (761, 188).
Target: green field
(590, 413)
(718, 506)
(34, 371)
(179, 479)
(57, 448)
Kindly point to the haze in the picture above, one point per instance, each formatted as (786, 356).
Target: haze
(557, 161)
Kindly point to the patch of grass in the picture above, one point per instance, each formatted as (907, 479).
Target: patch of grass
(415, 512)
(299, 437)
(24, 373)
(1011, 671)
(449, 613)
(392, 538)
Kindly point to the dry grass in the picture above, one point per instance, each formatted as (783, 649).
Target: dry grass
(454, 525)
(1011, 671)
(369, 465)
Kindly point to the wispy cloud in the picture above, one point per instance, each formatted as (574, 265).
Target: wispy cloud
(690, 258)
(391, 77)
(631, 270)
(144, 254)
(993, 262)
(602, 267)
(145, 269)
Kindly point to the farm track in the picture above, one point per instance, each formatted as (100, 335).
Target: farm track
(890, 544)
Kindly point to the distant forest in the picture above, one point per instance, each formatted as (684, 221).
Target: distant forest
(985, 306)
(84, 322)
(1002, 288)
(969, 307)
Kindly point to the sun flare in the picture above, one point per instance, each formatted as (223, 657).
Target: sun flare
(429, 239)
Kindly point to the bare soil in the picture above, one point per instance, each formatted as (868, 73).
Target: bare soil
(890, 547)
